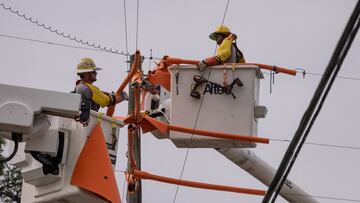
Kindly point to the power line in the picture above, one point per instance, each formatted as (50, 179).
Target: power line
(64, 45)
(53, 43)
(225, 12)
(342, 77)
(137, 23)
(66, 36)
(327, 197)
(315, 105)
(319, 74)
(319, 144)
(126, 36)
(196, 120)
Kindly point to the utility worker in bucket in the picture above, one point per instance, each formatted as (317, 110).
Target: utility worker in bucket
(227, 52)
(92, 97)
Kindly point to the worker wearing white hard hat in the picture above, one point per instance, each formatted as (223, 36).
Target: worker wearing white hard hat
(90, 94)
(227, 52)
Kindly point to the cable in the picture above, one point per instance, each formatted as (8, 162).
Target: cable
(51, 43)
(222, 21)
(66, 36)
(197, 117)
(63, 45)
(315, 105)
(126, 36)
(326, 197)
(225, 12)
(319, 74)
(16, 145)
(347, 39)
(137, 23)
(188, 149)
(341, 77)
(320, 144)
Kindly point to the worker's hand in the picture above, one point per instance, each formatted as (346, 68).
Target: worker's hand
(118, 97)
(201, 66)
(124, 96)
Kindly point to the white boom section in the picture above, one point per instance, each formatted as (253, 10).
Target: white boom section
(51, 141)
(19, 107)
(258, 168)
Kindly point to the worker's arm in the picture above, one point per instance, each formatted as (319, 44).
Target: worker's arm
(223, 53)
(104, 99)
(98, 96)
(224, 50)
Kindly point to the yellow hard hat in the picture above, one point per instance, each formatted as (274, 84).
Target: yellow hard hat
(86, 65)
(222, 29)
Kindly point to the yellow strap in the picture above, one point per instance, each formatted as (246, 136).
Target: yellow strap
(100, 116)
(113, 125)
(233, 70)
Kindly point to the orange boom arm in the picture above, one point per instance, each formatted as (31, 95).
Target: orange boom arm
(172, 61)
(133, 71)
(145, 175)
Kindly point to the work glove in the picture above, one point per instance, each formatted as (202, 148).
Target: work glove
(201, 66)
(124, 96)
(117, 98)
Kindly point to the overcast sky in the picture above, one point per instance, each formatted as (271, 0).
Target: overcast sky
(289, 33)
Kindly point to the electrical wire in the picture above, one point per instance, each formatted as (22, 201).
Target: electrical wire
(319, 144)
(66, 36)
(196, 119)
(126, 37)
(339, 76)
(338, 58)
(137, 23)
(51, 43)
(188, 148)
(63, 45)
(319, 74)
(225, 12)
(327, 197)
(315, 105)
(126, 32)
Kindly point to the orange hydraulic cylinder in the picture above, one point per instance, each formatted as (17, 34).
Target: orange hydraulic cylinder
(136, 102)
(131, 134)
(172, 61)
(245, 138)
(133, 71)
(145, 175)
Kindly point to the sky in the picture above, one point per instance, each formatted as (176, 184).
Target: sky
(288, 33)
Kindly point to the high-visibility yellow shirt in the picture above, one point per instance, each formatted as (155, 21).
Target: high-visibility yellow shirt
(98, 96)
(226, 52)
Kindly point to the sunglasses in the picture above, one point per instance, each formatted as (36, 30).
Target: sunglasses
(220, 35)
(94, 72)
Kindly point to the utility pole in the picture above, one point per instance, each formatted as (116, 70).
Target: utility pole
(134, 195)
